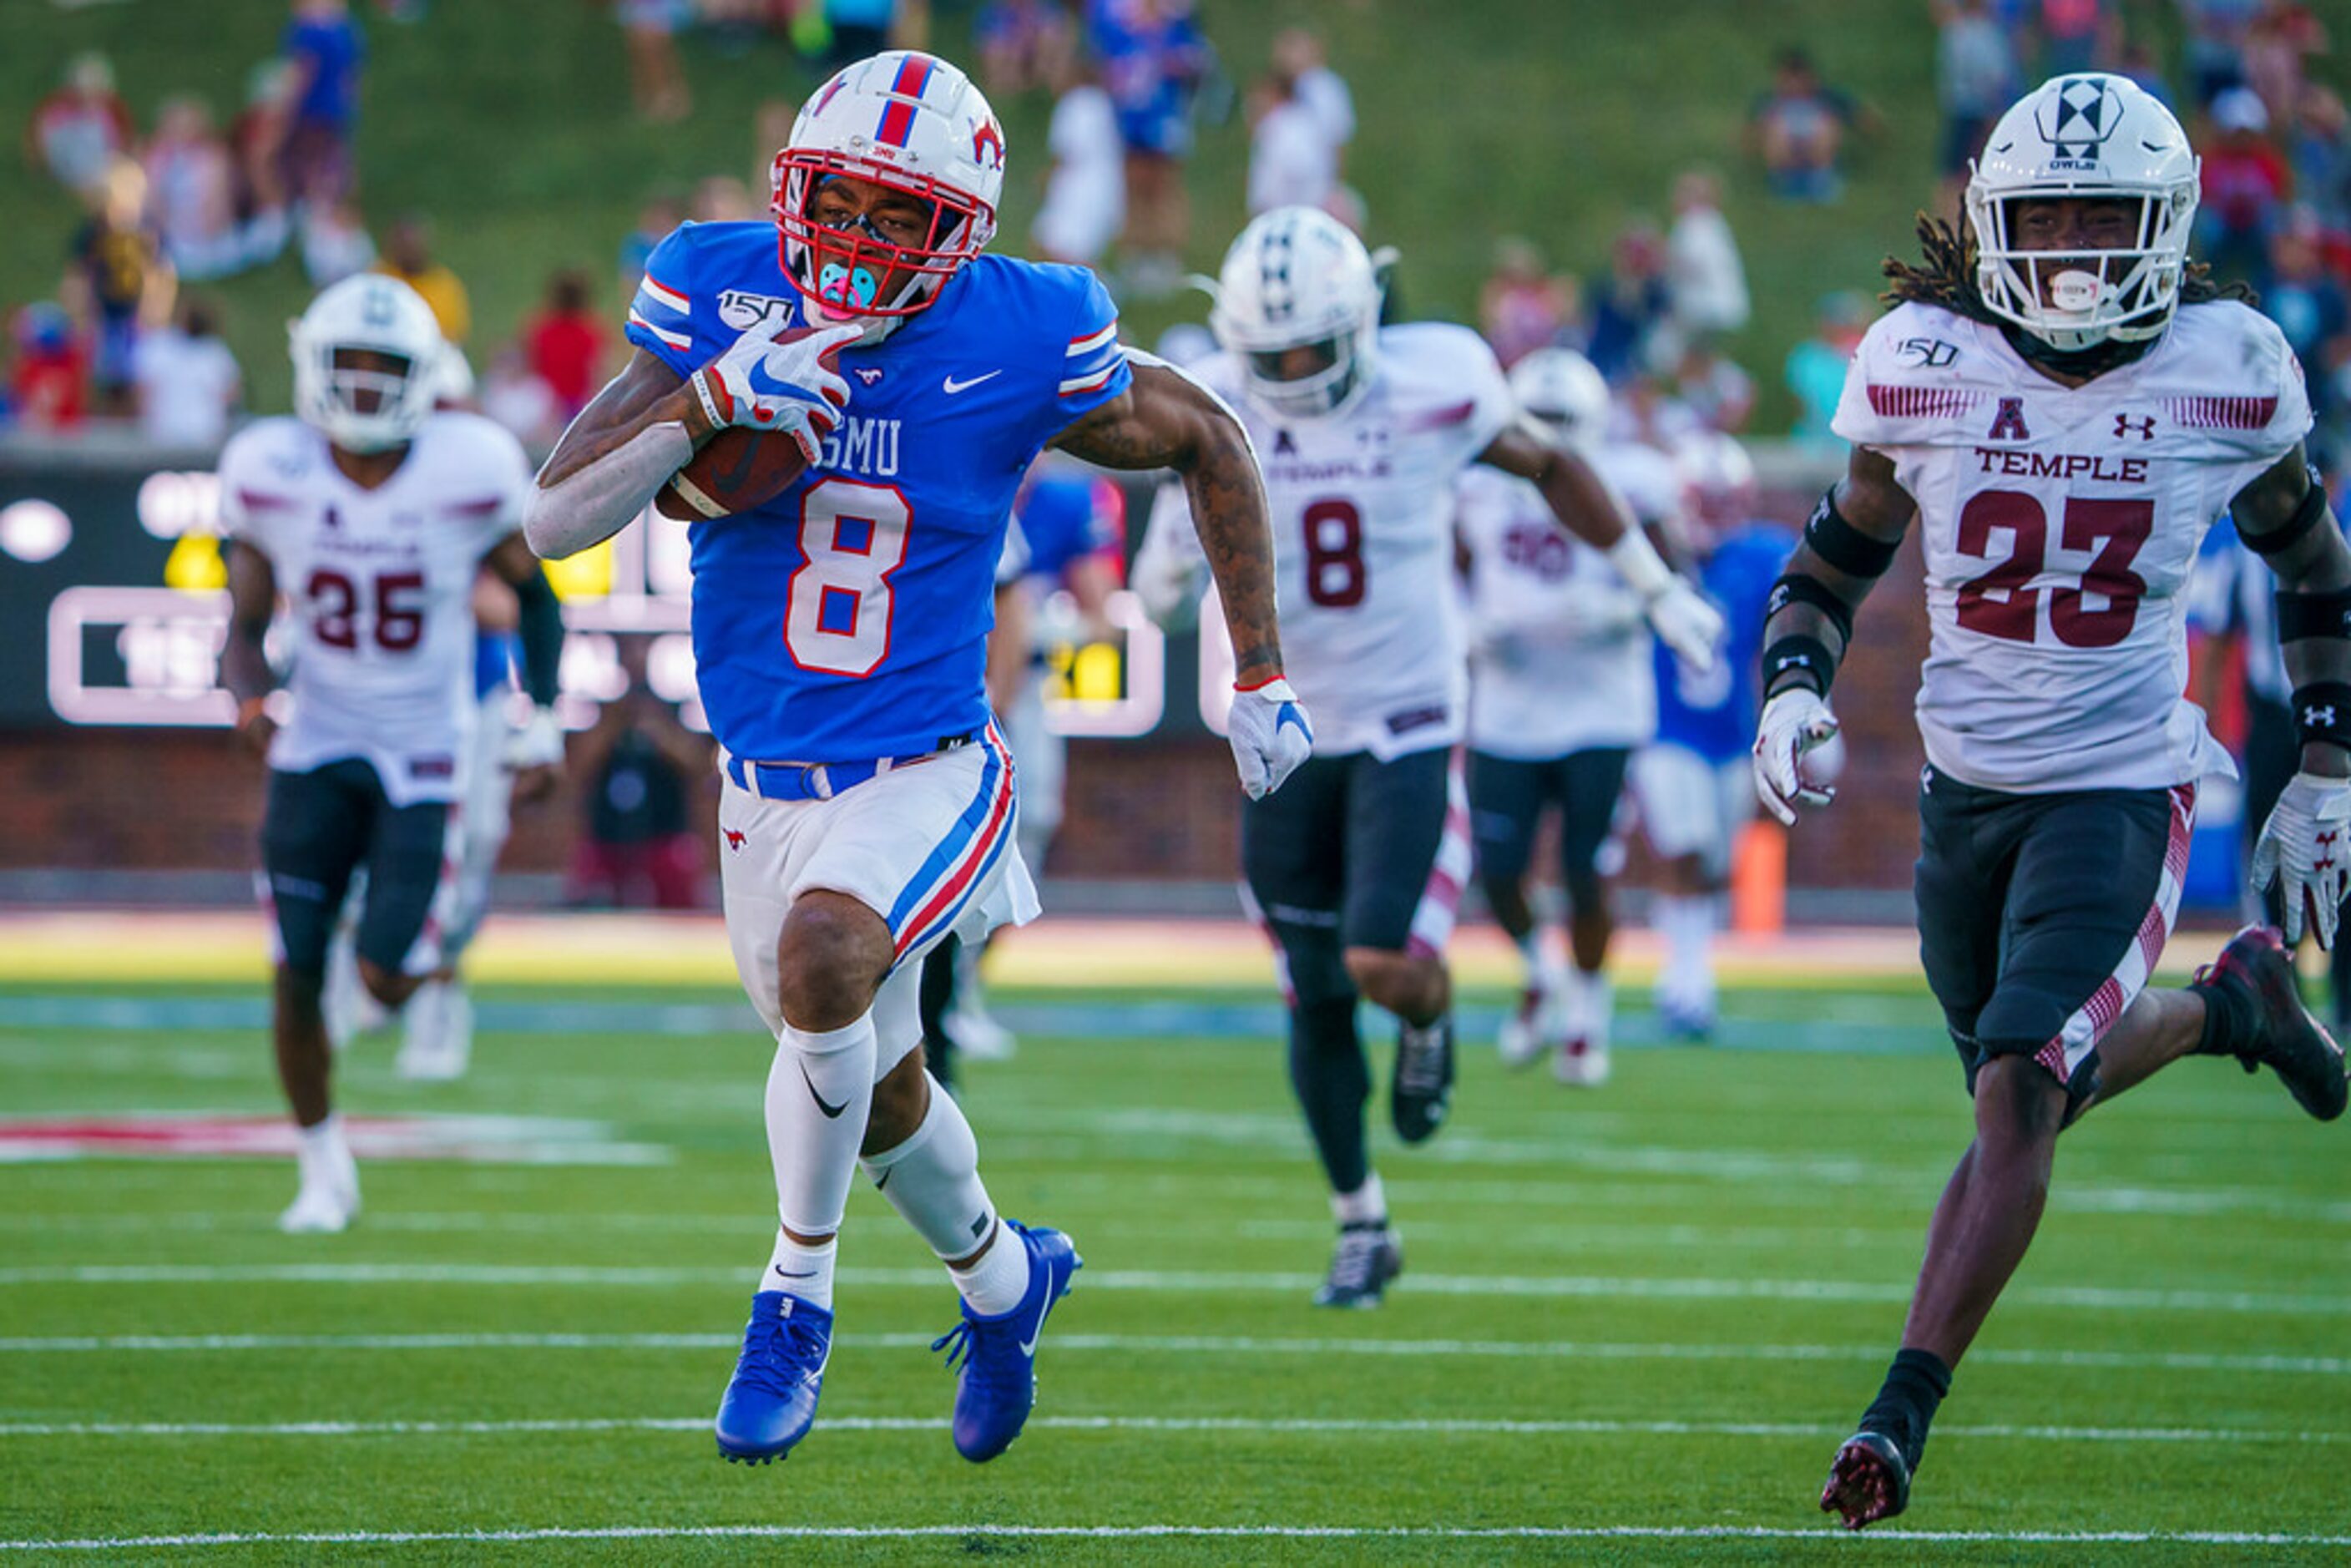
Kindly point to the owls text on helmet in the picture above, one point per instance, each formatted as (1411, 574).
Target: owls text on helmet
(916, 125)
(368, 362)
(1298, 303)
(2090, 137)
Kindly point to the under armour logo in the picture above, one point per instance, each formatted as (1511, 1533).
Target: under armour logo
(2142, 428)
(2008, 424)
(1793, 662)
(2318, 717)
(734, 839)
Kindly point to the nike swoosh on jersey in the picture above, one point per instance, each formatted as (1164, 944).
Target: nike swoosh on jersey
(952, 386)
(831, 1113)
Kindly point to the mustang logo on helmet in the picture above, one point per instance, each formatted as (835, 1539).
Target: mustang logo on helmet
(987, 145)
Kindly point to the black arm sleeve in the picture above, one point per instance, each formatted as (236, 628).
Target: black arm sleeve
(540, 626)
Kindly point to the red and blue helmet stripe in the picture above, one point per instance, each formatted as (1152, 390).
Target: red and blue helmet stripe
(898, 115)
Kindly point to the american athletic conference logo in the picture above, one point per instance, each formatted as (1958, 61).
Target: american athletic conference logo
(2077, 121)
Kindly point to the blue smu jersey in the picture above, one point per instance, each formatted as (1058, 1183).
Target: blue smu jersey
(497, 656)
(1714, 714)
(848, 618)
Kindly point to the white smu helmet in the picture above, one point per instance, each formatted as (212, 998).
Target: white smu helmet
(912, 122)
(1298, 279)
(2092, 136)
(1563, 390)
(1717, 479)
(369, 409)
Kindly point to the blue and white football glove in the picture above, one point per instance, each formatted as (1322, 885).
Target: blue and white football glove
(1271, 735)
(762, 384)
(2305, 849)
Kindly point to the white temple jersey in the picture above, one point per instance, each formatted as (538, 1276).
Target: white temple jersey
(1362, 509)
(2059, 525)
(378, 586)
(1560, 654)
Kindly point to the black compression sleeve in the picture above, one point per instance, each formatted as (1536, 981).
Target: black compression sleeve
(1844, 546)
(2302, 616)
(1797, 589)
(2305, 518)
(540, 625)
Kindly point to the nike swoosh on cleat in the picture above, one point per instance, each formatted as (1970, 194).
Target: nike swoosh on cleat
(1029, 1346)
(831, 1113)
(952, 386)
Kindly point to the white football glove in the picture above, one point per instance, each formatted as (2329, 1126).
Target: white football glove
(1685, 622)
(538, 744)
(2303, 848)
(1794, 722)
(763, 384)
(1271, 735)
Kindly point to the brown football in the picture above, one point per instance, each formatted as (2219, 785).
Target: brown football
(737, 470)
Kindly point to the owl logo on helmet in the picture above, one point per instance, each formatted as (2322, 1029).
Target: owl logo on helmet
(2090, 137)
(916, 126)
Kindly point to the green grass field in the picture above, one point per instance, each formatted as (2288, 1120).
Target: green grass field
(1650, 1310)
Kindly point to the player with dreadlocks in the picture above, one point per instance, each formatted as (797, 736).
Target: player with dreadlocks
(2067, 405)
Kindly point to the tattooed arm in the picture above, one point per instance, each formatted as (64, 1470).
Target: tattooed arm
(1167, 419)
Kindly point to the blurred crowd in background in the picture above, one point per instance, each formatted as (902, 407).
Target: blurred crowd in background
(178, 193)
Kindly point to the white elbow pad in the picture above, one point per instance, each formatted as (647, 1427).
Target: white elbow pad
(599, 500)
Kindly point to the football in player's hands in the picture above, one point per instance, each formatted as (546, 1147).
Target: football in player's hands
(737, 470)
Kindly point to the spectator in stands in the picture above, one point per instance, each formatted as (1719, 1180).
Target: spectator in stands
(639, 847)
(1024, 44)
(860, 27)
(48, 383)
(661, 213)
(1630, 303)
(771, 127)
(255, 137)
(192, 189)
(1153, 59)
(567, 342)
(78, 131)
(1713, 387)
(2307, 302)
(2075, 34)
(1976, 78)
(1703, 271)
(1798, 127)
(408, 256)
(512, 394)
(2245, 180)
(118, 283)
(723, 199)
(1293, 163)
(1522, 306)
(188, 382)
(1815, 368)
(1298, 56)
(2216, 45)
(1085, 187)
(2320, 153)
(2280, 37)
(336, 244)
(323, 46)
(656, 81)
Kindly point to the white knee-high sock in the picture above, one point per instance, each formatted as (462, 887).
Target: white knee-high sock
(819, 1091)
(933, 1181)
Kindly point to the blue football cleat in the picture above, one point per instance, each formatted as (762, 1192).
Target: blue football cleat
(998, 1383)
(771, 1402)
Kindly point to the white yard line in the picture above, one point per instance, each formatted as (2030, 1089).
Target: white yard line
(1168, 1281)
(1167, 1531)
(1190, 1345)
(1593, 1428)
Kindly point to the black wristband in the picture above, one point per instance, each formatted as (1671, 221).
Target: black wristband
(2322, 713)
(2305, 518)
(1844, 546)
(2303, 616)
(1797, 589)
(1800, 661)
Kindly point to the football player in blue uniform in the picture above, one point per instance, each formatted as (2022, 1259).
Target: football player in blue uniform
(839, 634)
